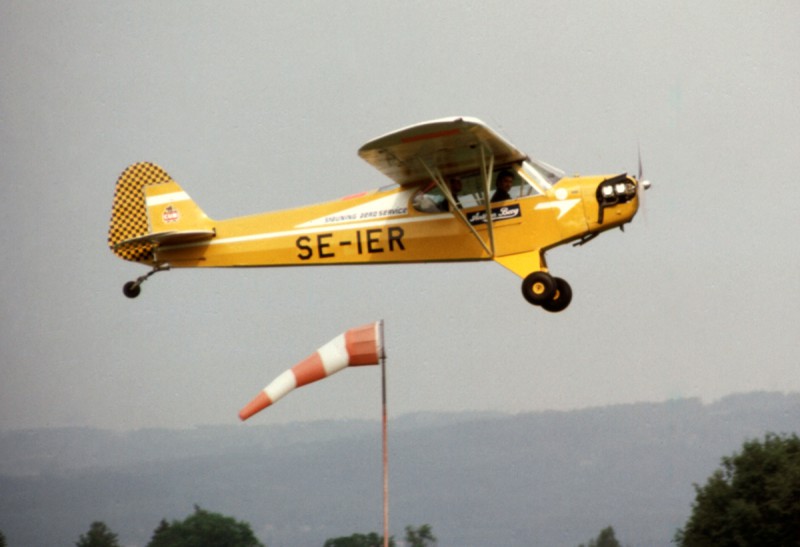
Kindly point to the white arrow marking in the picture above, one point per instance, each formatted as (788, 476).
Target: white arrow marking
(563, 207)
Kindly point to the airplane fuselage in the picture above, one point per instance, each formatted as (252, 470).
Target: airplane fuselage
(383, 226)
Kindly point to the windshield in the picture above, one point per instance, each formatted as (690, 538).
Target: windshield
(541, 175)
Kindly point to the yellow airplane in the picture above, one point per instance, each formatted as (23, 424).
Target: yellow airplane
(461, 192)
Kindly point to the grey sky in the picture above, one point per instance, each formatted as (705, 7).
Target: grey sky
(256, 106)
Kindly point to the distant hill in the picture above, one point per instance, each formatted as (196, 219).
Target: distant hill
(548, 479)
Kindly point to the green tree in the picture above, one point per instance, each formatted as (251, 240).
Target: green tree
(99, 535)
(204, 529)
(358, 540)
(421, 537)
(606, 538)
(160, 534)
(753, 499)
(2, 539)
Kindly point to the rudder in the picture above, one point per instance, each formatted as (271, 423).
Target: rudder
(145, 202)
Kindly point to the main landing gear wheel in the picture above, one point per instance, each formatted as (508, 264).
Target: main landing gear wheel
(538, 288)
(561, 299)
(551, 293)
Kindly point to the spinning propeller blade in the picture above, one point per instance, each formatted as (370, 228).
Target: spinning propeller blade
(643, 184)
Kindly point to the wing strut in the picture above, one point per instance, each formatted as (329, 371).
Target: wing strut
(486, 173)
(437, 177)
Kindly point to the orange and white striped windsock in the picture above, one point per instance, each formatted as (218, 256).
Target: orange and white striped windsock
(359, 346)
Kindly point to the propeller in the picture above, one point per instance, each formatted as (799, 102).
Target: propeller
(643, 183)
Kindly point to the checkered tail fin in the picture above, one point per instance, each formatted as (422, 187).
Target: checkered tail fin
(150, 207)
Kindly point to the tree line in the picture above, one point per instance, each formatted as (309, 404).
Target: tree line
(752, 499)
(208, 529)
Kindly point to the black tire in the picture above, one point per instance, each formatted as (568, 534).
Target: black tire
(131, 289)
(561, 299)
(538, 288)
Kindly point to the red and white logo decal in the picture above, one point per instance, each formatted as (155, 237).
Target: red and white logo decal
(170, 214)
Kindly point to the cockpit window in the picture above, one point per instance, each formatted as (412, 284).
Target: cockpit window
(468, 190)
(540, 174)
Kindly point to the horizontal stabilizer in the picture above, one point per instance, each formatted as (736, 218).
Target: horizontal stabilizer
(169, 238)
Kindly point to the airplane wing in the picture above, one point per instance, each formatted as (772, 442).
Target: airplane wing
(451, 145)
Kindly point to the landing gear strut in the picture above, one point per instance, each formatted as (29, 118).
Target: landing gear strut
(551, 293)
(131, 289)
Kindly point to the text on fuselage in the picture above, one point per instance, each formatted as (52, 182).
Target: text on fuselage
(373, 240)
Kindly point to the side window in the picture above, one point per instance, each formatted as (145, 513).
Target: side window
(507, 184)
(467, 190)
(429, 199)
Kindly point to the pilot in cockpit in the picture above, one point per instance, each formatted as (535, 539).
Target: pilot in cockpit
(503, 184)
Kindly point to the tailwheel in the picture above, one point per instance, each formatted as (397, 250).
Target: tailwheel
(561, 298)
(538, 288)
(131, 289)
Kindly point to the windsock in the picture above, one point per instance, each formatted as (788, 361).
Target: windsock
(359, 346)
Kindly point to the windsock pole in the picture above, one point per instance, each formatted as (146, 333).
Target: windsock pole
(385, 446)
